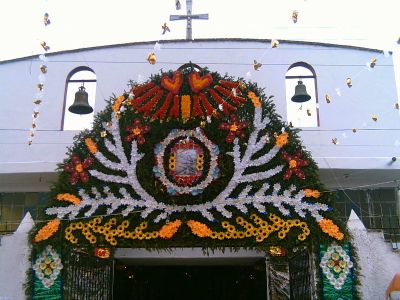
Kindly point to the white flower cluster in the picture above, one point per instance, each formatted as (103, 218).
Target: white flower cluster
(283, 200)
(48, 266)
(336, 259)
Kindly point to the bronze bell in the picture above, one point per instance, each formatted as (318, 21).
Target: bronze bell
(81, 104)
(300, 94)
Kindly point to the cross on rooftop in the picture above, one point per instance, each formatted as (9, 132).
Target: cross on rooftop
(188, 18)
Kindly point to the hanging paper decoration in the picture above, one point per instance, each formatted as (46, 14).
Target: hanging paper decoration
(40, 86)
(328, 98)
(372, 63)
(295, 15)
(349, 82)
(256, 65)
(374, 118)
(337, 272)
(151, 58)
(274, 43)
(47, 268)
(46, 19)
(165, 28)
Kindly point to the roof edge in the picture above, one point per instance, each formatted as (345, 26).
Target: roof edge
(194, 41)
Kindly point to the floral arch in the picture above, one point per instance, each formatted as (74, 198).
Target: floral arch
(189, 158)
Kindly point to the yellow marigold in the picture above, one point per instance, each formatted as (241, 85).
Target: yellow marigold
(199, 229)
(47, 230)
(117, 104)
(331, 229)
(312, 193)
(68, 197)
(256, 100)
(282, 139)
(185, 107)
(91, 145)
(169, 229)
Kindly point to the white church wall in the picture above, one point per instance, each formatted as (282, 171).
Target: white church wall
(14, 253)
(377, 261)
(373, 92)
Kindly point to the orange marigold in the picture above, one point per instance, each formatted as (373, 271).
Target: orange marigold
(331, 229)
(199, 229)
(169, 229)
(117, 104)
(256, 100)
(282, 139)
(47, 230)
(92, 147)
(69, 197)
(312, 193)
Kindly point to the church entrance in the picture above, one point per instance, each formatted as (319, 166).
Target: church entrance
(172, 282)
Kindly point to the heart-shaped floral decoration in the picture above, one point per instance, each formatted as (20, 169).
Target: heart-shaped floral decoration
(172, 84)
(199, 83)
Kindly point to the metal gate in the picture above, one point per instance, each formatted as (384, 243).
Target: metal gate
(87, 277)
(299, 275)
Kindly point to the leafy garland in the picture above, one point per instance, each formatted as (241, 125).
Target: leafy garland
(189, 158)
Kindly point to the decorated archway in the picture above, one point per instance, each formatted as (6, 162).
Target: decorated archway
(189, 158)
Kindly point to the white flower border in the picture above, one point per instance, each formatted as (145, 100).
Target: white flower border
(160, 151)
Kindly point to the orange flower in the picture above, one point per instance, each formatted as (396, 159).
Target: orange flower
(117, 104)
(331, 229)
(254, 99)
(185, 107)
(68, 197)
(47, 231)
(199, 229)
(92, 147)
(282, 139)
(312, 193)
(169, 229)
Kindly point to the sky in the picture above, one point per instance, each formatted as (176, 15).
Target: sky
(78, 24)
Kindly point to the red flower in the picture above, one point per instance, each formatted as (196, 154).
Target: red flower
(77, 169)
(295, 162)
(136, 131)
(235, 128)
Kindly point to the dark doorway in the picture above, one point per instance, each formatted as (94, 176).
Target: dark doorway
(190, 282)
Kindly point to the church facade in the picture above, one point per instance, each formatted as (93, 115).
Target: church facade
(214, 125)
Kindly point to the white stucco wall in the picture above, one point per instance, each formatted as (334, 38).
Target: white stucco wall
(377, 261)
(373, 92)
(14, 253)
